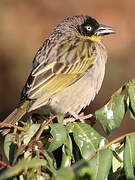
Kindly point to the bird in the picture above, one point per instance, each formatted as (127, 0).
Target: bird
(67, 71)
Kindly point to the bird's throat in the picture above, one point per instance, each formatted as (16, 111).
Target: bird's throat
(94, 38)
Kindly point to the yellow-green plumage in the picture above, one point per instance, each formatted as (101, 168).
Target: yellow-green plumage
(64, 76)
(68, 69)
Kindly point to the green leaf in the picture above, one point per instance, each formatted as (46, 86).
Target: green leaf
(118, 151)
(69, 146)
(15, 170)
(79, 171)
(60, 118)
(30, 133)
(131, 92)
(101, 164)
(59, 134)
(51, 161)
(87, 139)
(9, 147)
(117, 163)
(130, 109)
(66, 159)
(65, 174)
(67, 154)
(129, 157)
(111, 115)
(82, 171)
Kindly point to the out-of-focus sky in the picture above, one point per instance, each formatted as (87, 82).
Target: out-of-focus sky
(24, 25)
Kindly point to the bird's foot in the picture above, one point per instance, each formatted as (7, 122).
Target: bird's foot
(81, 117)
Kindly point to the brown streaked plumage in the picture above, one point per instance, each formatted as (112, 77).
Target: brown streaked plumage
(68, 69)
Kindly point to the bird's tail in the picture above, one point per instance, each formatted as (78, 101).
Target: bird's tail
(15, 116)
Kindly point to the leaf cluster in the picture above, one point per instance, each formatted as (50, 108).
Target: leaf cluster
(75, 151)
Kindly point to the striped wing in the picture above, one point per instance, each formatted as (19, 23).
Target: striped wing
(69, 65)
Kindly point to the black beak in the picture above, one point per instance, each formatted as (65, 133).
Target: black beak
(104, 30)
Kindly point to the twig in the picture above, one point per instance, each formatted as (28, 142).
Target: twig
(110, 143)
(2, 124)
(6, 124)
(45, 123)
(4, 164)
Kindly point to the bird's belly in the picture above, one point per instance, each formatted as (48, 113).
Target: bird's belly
(81, 93)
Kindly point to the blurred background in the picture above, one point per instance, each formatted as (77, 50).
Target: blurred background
(24, 25)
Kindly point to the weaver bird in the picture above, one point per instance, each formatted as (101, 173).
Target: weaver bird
(68, 69)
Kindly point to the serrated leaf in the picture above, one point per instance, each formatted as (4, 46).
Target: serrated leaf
(111, 115)
(59, 134)
(30, 133)
(129, 157)
(9, 147)
(15, 170)
(100, 164)
(131, 92)
(87, 139)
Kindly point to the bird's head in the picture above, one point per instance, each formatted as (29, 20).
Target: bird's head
(85, 26)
